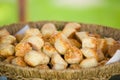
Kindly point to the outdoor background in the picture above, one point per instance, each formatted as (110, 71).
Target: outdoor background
(103, 12)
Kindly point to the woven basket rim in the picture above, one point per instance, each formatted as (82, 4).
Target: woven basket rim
(100, 67)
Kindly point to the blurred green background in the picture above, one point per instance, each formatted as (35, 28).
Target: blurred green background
(108, 13)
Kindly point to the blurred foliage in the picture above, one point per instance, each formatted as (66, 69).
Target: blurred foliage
(8, 12)
(108, 14)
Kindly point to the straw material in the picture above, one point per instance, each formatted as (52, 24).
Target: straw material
(27, 73)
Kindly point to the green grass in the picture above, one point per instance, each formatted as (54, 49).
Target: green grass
(108, 14)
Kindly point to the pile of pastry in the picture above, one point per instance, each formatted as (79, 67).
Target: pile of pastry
(49, 48)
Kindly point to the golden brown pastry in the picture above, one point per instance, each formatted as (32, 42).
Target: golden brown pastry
(22, 48)
(33, 32)
(110, 41)
(102, 45)
(36, 42)
(88, 63)
(70, 29)
(56, 36)
(90, 52)
(61, 45)
(74, 42)
(4, 32)
(34, 58)
(112, 46)
(49, 50)
(90, 42)
(6, 50)
(73, 25)
(48, 29)
(100, 55)
(8, 39)
(58, 62)
(82, 35)
(68, 32)
(19, 61)
(101, 48)
(73, 55)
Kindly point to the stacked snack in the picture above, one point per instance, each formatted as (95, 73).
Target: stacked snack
(48, 48)
(6, 43)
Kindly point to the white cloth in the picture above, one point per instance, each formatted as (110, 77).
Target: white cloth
(23, 30)
(115, 58)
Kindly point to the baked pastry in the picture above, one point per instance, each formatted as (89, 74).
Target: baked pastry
(8, 39)
(89, 62)
(33, 32)
(49, 50)
(101, 55)
(70, 29)
(89, 42)
(110, 41)
(48, 29)
(61, 45)
(34, 58)
(58, 62)
(73, 25)
(6, 50)
(82, 35)
(90, 52)
(35, 41)
(73, 55)
(4, 32)
(74, 42)
(112, 46)
(68, 32)
(56, 36)
(102, 45)
(19, 61)
(22, 48)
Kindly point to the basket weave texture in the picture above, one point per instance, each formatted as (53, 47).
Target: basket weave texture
(97, 73)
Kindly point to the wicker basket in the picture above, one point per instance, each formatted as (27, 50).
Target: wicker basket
(97, 73)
